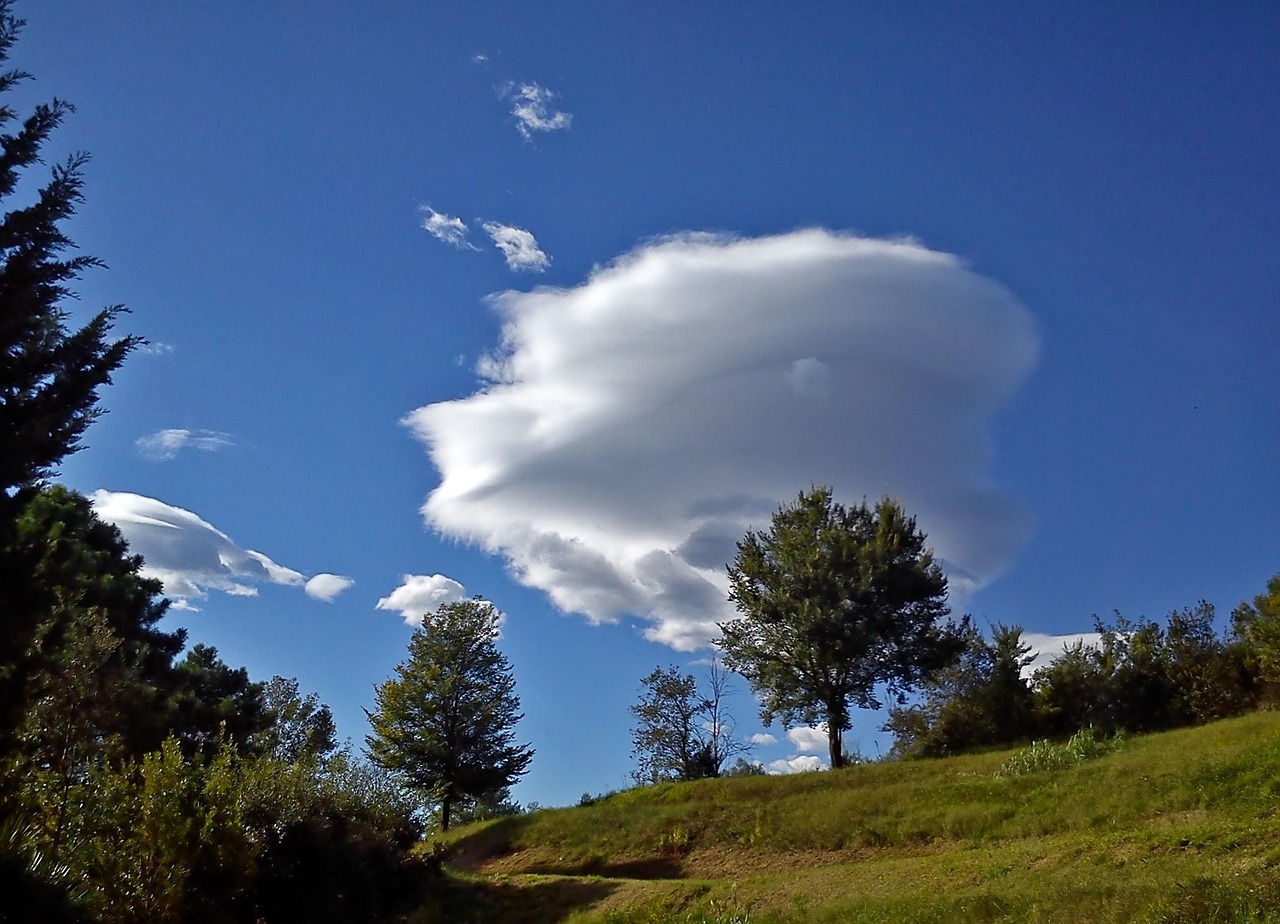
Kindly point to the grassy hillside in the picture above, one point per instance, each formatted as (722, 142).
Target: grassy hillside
(1181, 826)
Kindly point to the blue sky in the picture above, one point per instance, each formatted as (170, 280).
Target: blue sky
(1014, 263)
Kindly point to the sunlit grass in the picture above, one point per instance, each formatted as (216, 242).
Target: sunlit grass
(1175, 827)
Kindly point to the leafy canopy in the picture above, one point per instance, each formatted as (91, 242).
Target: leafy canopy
(836, 602)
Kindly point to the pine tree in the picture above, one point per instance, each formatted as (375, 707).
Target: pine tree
(50, 372)
(446, 722)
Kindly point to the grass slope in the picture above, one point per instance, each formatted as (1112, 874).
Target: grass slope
(1181, 826)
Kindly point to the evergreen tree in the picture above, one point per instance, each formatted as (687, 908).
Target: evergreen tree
(50, 371)
(446, 722)
(835, 602)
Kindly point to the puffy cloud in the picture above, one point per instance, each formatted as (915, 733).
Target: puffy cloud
(448, 229)
(803, 763)
(419, 594)
(326, 587)
(632, 428)
(185, 552)
(531, 106)
(164, 445)
(1045, 649)
(519, 247)
(763, 739)
(808, 740)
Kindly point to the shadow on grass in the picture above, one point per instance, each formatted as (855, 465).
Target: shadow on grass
(500, 901)
(498, 840)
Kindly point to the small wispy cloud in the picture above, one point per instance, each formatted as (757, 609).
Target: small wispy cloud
(326, 587)
(164, 445)
(518, 246)
(480, 58)
(448, 229)
(156, 348)
(531, 106)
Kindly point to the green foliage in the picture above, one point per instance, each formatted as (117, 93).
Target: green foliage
(681, 732)
(982, 700)
(1257, 624)
(232, 838)
(215, 702)
(446, 722)
(1143, 677)
(50, 376)
(301, 727)
(835, 602)
(50, 373)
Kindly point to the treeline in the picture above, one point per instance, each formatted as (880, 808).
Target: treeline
(141, 779)
(1141, 676)
(141, 785)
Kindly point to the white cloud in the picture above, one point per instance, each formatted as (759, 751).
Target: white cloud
(448, 229)
(518, 246)
(480, 58)
(763, 739)
(164, 445)
(326, 587)
(531, 105)
(1045, 649)
(419, 594)
(808, 740)
(156, 348)
(191, 556)
(800, 764)
(632, 428)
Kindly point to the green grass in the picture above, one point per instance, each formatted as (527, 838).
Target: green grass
(1176, 827)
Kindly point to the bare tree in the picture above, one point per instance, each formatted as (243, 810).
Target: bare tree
(682, 732)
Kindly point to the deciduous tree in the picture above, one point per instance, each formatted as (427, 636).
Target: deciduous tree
(446, 721)
(835, 603)
(683, 732)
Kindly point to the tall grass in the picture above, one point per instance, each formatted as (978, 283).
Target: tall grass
(1174, 827)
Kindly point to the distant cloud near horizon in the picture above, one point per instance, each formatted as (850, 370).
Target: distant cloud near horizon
(192, 557)
(801, 763)
(164, 445)
(531, 106)
(809, 739)
(1045, 649)
(631, 429)
(519, 247)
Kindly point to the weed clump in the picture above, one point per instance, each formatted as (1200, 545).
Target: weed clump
(1043, 755)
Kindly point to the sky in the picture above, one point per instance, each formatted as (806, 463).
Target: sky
(550, 303)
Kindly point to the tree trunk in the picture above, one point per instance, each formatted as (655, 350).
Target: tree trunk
(446, 804)
(835, 744)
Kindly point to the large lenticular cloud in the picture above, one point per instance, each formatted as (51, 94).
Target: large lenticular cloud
(632, 428)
